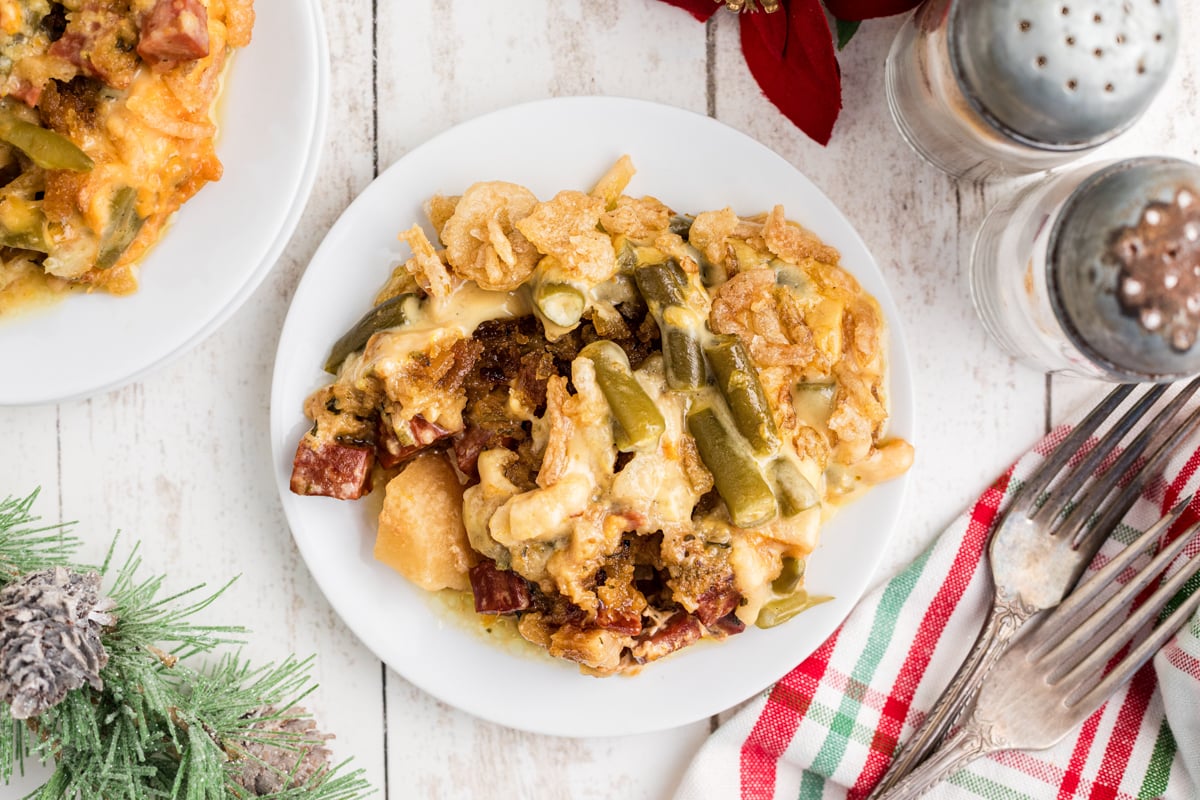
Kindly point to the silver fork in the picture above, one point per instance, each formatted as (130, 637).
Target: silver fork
(1042, 544)
(1054, 676)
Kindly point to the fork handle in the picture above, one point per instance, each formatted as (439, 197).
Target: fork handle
(962, 747)
(1003, 621)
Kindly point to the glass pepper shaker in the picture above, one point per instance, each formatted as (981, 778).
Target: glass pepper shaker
(981, 87)
(1095, 272)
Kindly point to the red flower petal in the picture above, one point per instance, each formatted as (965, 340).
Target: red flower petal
(700, 9)
(790, 54)
(868, 9)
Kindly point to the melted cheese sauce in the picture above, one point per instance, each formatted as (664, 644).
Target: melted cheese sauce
(31, 291)
(501, 630)
(453, 317)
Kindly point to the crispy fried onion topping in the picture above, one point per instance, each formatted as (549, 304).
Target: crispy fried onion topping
(640, 218)
(426, 265)
(440, 209)
(482, 242)
(768, 318)
(717, 233)
(793, 243)
(566, 228)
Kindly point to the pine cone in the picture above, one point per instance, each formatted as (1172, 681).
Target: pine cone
(268, 768)
(50, 624)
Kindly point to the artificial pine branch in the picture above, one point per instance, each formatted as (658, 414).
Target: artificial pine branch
(156, 713)
(25, 547)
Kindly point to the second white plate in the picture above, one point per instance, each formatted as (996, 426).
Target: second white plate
(220, 245)
(692, 163)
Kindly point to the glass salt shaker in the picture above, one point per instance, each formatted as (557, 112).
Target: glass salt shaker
(1095, 272)
(984, 87)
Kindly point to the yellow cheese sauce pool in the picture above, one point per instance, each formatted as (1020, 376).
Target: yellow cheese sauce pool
(459, 609)
(29, 291)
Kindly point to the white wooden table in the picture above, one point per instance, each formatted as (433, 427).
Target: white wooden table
(181, 459)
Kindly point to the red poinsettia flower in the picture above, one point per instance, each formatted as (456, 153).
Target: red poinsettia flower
(790, 53)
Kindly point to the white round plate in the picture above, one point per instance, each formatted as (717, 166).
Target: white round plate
(690, 162)
(220, 245)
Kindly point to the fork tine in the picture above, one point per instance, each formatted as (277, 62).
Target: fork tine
(1085, 597)
(1091, 629)
(1111, 512)
(1040, 478)
(1078, 475)
(1144, 651)
(1098, 651)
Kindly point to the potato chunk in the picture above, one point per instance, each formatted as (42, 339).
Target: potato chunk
(421, 532)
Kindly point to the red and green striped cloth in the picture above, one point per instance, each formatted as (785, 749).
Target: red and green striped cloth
(828, 728)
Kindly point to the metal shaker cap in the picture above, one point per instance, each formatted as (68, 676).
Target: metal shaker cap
(1123, 268)
(1062, 74)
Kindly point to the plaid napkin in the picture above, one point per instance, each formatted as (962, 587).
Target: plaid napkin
(829, 727)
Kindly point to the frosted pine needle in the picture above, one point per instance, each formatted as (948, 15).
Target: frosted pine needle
(26, 546)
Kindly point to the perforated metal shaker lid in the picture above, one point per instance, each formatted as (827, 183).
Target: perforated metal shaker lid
(1062, 74)
(1123, 268)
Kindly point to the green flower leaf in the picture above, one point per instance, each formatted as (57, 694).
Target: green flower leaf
(846, 28)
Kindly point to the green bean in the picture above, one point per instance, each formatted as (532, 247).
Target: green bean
(794, 491)
(780, 611)
(46, 148)
(681, 224)
(790, 576)
(639, 422)
(791, 276)
(123, 226)
(627, 258)
(735, 472)
(24, 240)
(561, 303)
(711, 274)
(663, 286)
(21, 225)
(683, 359)
(388, 314)
(737, 378)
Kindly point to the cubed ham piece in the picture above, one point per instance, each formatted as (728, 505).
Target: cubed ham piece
(174, 31)
(329, 469)
(469, 444)
(498, 591)
(26, 92)
(718, 601)
(69, 46)
(678, 632)
(391, 452)
(727, 625)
